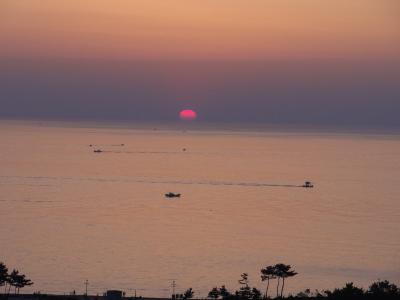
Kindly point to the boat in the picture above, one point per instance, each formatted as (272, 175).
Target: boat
(307, 184)
(172, 195)
(97, 151)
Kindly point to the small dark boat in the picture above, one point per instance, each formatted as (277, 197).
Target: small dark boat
(172, 195)
(307, 184)
(97, 151)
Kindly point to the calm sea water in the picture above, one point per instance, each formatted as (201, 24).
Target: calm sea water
(68, 214)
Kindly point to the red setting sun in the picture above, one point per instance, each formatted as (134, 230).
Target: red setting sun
(188, 115)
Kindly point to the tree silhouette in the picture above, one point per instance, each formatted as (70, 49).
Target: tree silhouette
(255, 294)
(244, 279)
(224, 292)
(21, 282)
(267, 274)
(18, 281)
(283, 271)
(214, 293)
(383, 288)
(304, 294)
(349, 291)
(244, 291)
(3, 275)
(188, 294)
(12, 279)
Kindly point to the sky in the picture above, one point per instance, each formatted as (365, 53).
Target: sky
(306, 62)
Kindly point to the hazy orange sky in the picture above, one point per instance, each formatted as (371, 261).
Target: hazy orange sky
(313, 62)
(211, 29)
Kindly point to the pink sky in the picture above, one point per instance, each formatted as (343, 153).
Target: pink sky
(274, 61)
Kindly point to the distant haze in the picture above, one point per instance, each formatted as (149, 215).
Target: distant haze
(282, 62)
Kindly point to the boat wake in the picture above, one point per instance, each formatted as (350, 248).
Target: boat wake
(29, 180)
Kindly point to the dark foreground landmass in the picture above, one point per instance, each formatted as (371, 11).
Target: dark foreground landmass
(380, 290)
(13, 282)
(300, 296)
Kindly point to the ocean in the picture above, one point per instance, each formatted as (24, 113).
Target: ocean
(68, 214)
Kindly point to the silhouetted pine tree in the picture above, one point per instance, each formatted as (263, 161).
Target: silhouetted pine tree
(283, 271)
(267, 274)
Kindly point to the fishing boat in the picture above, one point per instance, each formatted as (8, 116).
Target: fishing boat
(172, 195)
(307, 184)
